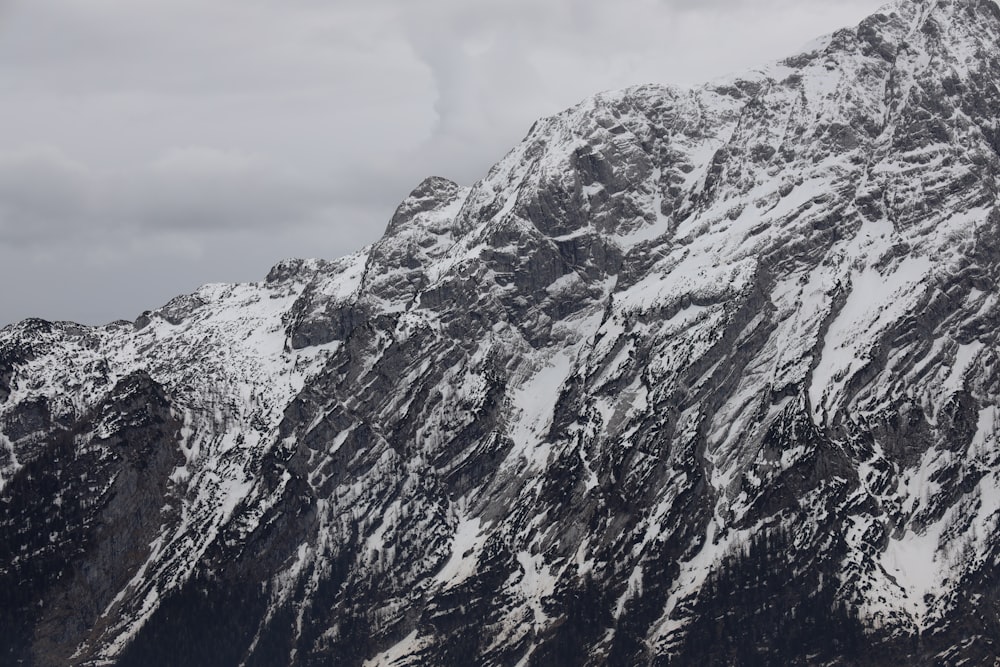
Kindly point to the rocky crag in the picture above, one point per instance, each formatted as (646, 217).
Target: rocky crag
(693, 376)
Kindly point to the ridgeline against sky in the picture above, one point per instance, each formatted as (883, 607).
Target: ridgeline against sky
(150, 147)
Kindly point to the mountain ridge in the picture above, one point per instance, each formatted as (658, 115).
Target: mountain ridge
(698, 375)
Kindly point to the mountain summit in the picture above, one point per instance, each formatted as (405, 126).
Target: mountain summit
(693, 376)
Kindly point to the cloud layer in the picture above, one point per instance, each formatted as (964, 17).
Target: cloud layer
(151, 146)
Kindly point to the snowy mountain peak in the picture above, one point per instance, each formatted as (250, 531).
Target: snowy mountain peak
(682, 353)
(433, 193)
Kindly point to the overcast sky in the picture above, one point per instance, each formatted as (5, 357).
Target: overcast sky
(150, 146)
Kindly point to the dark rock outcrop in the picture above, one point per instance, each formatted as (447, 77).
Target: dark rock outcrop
(702, 376)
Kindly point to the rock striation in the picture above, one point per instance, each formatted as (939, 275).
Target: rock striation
(692, 376)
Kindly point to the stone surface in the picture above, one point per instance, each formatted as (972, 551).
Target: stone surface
(692, 376)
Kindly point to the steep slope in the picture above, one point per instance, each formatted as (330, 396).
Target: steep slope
(701, 376)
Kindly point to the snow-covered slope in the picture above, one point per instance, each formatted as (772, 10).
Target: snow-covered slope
(702, 376)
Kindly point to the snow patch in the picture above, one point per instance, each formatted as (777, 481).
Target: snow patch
(465, 547)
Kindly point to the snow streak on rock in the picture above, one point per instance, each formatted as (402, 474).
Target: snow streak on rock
(692, 376)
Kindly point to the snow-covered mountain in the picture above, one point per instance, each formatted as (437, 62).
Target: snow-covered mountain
(693, 376)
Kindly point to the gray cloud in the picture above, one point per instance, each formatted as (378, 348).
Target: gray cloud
(46, 196)
(41, 193)
(199, 188)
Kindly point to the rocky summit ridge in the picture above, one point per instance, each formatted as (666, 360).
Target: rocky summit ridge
(692, 376)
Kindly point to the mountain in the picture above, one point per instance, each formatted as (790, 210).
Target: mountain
(691, 377)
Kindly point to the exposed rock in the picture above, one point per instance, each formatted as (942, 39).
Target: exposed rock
(692, 376)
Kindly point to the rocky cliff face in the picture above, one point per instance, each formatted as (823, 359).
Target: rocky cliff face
(702, 376)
